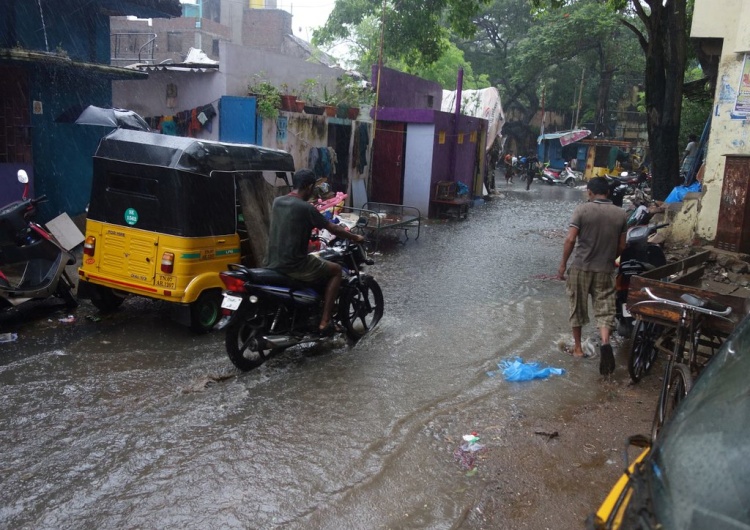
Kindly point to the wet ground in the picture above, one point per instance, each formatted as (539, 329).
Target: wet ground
(129, 420)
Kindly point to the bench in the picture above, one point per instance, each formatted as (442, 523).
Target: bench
(446, 202)
(457, 208)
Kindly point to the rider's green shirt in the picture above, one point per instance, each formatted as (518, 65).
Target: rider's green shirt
(292, 221)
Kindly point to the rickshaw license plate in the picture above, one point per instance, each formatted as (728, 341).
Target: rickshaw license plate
(231, 302)
(625, 311)
(165, 282)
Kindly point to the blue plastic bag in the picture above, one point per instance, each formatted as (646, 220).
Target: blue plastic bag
(679, 192)
(516, 370)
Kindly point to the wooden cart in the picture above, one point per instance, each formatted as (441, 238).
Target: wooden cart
(679, 318)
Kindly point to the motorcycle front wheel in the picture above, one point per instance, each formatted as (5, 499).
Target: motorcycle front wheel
(245, 346)
(361, 307)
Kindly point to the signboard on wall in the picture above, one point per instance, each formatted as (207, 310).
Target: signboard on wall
(741, 108)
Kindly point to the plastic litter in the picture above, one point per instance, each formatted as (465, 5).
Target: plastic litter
(515, 369)
(8, 337)
(67, 320)
(465, 454)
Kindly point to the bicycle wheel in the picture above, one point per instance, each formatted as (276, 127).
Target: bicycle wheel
(680, 383)
(661, 407)
(642, 351)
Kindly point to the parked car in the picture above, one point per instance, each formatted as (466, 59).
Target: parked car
(165, 219)
(697, 474)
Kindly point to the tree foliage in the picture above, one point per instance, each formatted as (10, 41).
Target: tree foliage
(523, 50)
(414, 31)
(662, 36)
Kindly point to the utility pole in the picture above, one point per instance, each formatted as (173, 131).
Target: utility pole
(580, 95)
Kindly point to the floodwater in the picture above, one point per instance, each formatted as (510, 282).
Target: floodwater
(131, 421)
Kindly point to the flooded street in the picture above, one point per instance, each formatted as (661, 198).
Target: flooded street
(131, 421)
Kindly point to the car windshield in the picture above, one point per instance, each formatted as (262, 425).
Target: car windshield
(700, 470)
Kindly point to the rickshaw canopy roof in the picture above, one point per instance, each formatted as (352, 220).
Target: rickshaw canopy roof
(190, 154)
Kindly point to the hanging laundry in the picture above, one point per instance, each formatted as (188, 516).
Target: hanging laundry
(334, 159)
(364, 141)
(313, 161)
(168, 126)
(325, 161)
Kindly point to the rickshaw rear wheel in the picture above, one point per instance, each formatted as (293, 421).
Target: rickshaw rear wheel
(106, 299)
(205, 311)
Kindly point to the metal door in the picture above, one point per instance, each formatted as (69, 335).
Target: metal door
(388, 162)
(238, 120)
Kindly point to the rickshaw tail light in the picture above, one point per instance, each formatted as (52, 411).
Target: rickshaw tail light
(167, 262)
(89, 246)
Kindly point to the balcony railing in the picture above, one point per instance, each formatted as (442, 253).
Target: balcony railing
(129, 48)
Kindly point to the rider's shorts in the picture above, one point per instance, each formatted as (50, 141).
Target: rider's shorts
(313, 270)
(601, 287)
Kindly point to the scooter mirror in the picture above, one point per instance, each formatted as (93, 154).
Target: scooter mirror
(23, 177)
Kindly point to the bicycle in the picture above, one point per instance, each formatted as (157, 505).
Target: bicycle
(682, 346)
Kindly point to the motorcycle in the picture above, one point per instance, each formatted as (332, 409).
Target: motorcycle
(29, 249)
(641, 254)
(634, 181)
(562, 176)
(265, 312)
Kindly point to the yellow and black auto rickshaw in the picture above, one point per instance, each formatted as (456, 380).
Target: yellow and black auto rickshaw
(165, 218)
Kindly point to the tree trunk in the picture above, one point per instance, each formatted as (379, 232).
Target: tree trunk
(665, 72)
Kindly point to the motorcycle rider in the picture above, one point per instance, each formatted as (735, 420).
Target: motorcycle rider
(292, 221)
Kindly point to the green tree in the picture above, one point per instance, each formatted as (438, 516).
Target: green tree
(662, 36)
(522, 51)
(414, 31)
(445, 70)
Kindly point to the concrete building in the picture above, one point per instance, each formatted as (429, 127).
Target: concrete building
(721, 35)
(204, 25)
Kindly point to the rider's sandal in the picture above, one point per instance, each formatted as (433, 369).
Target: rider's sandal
(331, 329)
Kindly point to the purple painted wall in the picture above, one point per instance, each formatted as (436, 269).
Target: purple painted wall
(403, 98)
(400, 90)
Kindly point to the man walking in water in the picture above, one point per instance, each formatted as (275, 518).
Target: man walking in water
(597, 235)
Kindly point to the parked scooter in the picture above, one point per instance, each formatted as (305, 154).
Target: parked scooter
(562, 176)
(266, 312)
(38, 256)
(617, 190)
(640, 255)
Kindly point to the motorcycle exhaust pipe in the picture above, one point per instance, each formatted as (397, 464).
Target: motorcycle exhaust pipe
(281, 341)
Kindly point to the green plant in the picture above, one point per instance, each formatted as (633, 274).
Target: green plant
(309, 91)
(268, 96)
(351, 92)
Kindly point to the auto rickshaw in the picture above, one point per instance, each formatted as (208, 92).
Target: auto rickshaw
(166, 217)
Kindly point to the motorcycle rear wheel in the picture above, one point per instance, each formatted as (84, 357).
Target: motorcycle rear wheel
(243, 346)
(65, 292)
(361, 307)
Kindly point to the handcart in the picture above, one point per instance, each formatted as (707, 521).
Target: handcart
(686, 322)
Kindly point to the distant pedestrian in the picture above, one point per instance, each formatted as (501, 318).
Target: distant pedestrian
(532, 166)
(508, 160)
(688, 157)
(596, 237)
